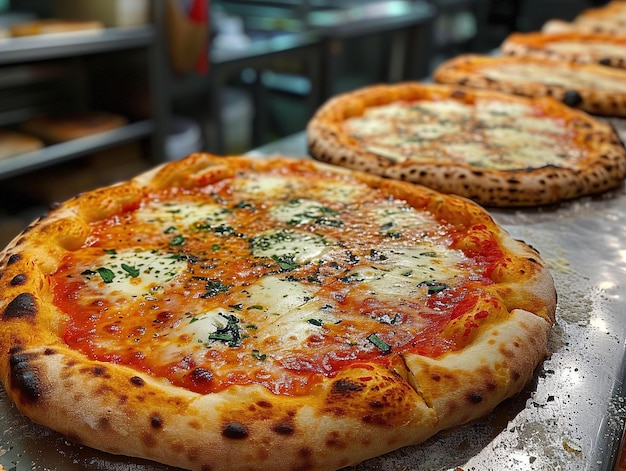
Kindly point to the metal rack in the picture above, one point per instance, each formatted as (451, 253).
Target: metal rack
(74, 47)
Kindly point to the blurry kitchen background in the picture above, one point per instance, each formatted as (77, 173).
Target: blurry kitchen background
(178, 76)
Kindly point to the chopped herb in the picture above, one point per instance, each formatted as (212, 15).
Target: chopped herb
(225, 336)
(213, 288)
(228, 333)
(244, 205)
(428, 254)
(170, 229)
(224, 229)
(177, 240)
(379, 343)
(215, 247)
(393, 234)
(193, 319)
(236, 307)
(251, 327)
(258, 355)
(256, 306)
(351, 278)
(132, 271)
(434, 287)
(110, 251)
(106, 274)
(88, 273)
(202, 226)
(180, 257)
(377, 256)
(317, 322)
(285, 262)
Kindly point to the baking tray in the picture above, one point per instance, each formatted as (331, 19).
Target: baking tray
(570, 417)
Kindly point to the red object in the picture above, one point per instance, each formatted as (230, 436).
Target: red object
(199, 13)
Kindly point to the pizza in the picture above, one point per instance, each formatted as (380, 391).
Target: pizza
(609, 18)
(67, 126)
(13, 143)
(596, 89)
(497, 149)
(584, 48)
(54, 26)
(239, 313)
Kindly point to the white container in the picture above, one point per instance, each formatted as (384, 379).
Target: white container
(184, 138)
(237, 115)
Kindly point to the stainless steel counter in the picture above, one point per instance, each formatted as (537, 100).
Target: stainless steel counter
(571, 417)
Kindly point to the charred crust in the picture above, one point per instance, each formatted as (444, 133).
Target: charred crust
(475, 397)
(572, 98)
(137, 381)
(100, 371)
(156, 421)
(284, 428)
(235, 430)
(23, 305)
(346, 386)
(458, 94)
(49, 351)
(18, 280)
(24, 377)
(16, 257)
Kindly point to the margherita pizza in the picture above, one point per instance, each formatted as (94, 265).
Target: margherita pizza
(497, 149)
(597, 89)
(584, 48)
(233, 313)
(609, 19)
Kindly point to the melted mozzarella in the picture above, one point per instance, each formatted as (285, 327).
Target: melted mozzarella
(305, 211)
(259, 186)
(565, 77)
(286, 313)
(445, 109)
(299, 246)
(132, 272)
(400, 217)
(181, 215)
(496, 134)
(199, 327)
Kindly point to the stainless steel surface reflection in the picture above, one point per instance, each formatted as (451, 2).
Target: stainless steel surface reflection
(571, 416)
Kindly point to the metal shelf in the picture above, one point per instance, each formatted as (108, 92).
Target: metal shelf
(71, 149)
(55, 46)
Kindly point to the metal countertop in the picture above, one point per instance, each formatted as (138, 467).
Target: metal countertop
(571, 417)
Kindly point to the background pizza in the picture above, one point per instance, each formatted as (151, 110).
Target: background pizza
(497, 149)
(585, 48)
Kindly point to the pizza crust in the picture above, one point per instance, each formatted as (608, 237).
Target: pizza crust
(583, 48)
(473, 71)
(603, 169)
(365, 411)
